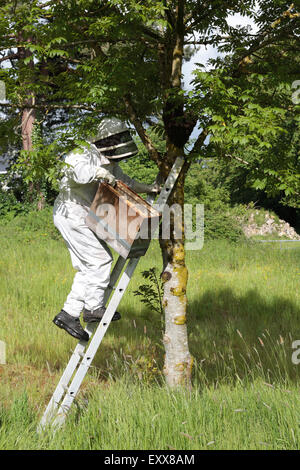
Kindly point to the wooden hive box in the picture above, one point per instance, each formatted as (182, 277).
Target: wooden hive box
(123, 219)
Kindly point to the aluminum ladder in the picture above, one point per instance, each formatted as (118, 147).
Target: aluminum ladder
(81, 359)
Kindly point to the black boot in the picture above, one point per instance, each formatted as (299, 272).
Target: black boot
(90, 316)
(71, 324)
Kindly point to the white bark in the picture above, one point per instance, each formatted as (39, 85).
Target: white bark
(178, 361)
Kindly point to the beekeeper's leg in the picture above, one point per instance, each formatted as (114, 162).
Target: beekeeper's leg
(92, 259)
(75, 300)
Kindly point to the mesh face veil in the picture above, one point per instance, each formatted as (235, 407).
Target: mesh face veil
(114, 140)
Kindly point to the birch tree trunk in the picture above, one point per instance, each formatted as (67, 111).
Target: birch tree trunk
(178, 360)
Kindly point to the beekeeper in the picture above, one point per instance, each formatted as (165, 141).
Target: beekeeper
(90, 256)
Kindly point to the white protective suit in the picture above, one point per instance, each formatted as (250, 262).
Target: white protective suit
(90, 256)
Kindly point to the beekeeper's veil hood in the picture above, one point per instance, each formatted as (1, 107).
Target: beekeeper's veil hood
(113, 140)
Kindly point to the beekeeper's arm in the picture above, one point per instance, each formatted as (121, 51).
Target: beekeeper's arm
(82, 170)
(133, 184)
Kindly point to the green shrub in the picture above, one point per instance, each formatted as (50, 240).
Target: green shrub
(220, 225)
(220, 219)
(10, 206)
(32, 225)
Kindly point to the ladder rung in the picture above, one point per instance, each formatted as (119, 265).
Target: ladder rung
(66, 389)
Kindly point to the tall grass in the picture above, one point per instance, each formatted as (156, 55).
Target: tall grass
(122, 415)
(243, 314)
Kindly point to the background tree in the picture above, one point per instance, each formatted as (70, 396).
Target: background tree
(24, 125)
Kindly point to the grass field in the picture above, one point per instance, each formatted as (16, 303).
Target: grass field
(244, 314)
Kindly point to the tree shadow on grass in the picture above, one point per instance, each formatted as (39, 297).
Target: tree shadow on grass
(235, 336)
(133, 345)
(231, 337)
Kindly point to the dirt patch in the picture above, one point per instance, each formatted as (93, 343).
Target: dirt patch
(39, 384)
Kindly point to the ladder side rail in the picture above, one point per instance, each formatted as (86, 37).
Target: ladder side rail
(78, 352)
(161, 202)
(169, 184)
(95, 343)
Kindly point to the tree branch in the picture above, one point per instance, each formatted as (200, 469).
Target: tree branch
(153, 152)
(152, 34)
(169, 15)
(264, 38)
(234, 157)
(10, 57)
(50, 106)
(178, 49)
(200, 141)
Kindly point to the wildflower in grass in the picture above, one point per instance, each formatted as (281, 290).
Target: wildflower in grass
(281, 340)
(261, 342)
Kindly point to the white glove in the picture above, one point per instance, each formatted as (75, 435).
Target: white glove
(146, 188)
(156, 188)
(103, 174)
